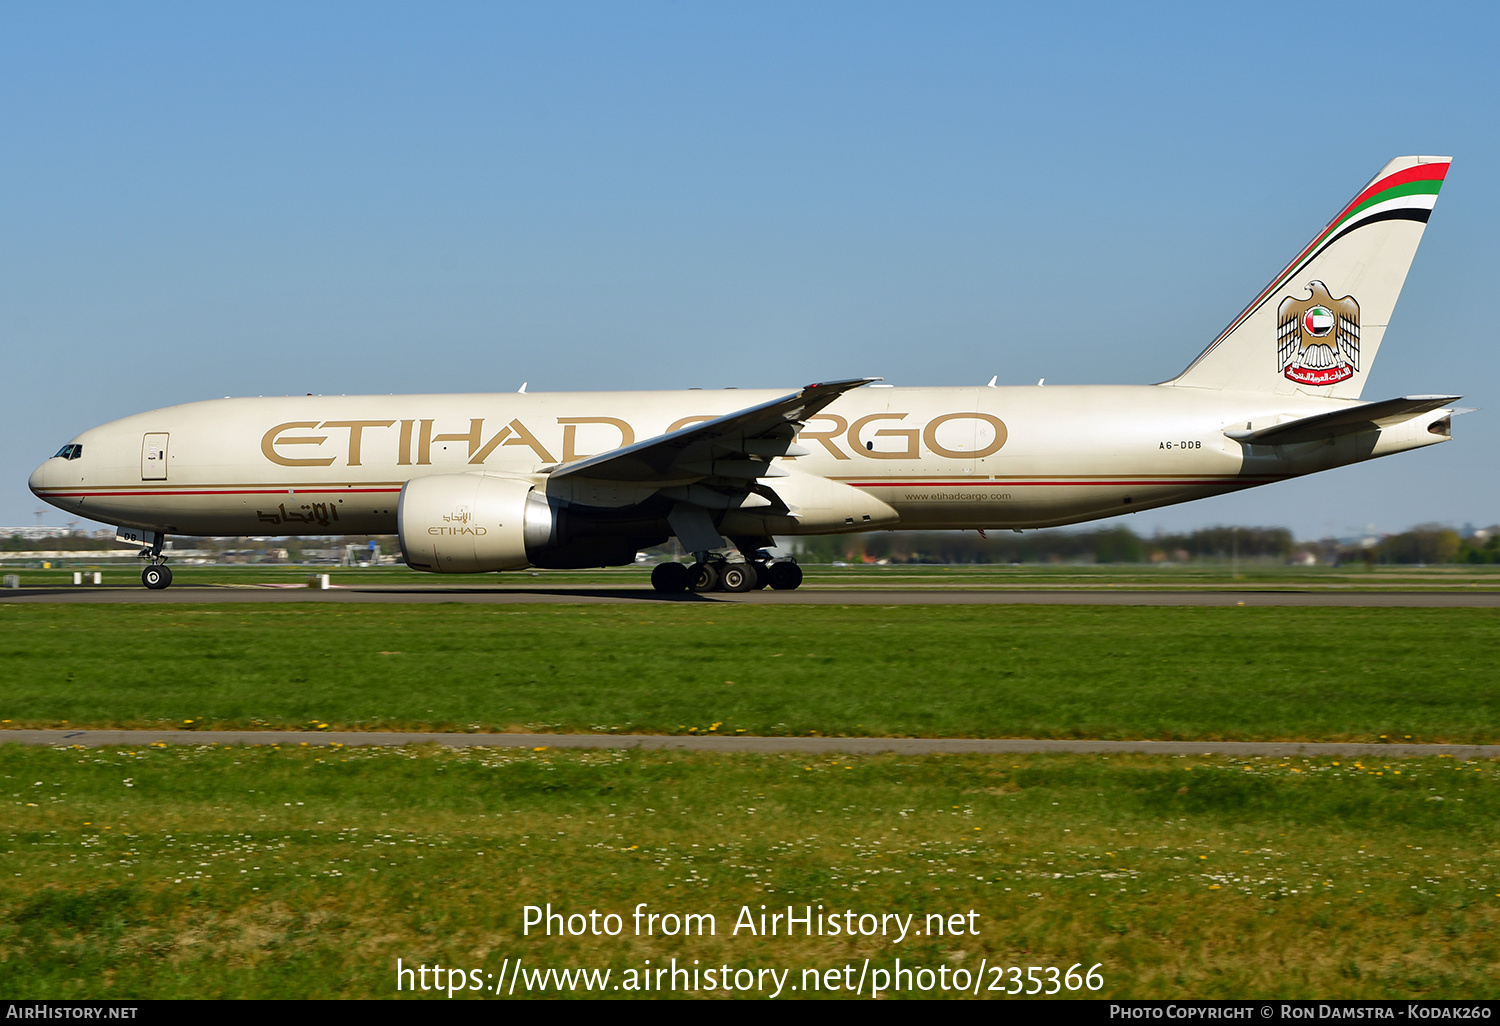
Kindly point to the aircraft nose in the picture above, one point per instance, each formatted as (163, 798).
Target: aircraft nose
(42, 478)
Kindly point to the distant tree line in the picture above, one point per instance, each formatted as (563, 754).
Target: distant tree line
(1102, 545)
(83, 543)
(1425, 543)
(64, 543)
(1432, 543)
(1477, 550)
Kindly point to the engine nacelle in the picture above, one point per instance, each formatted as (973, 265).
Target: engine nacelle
(472, 523)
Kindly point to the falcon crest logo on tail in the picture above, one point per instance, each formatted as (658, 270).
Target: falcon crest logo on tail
(1317, 338)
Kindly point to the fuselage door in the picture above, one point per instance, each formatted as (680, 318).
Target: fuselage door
(154, 456)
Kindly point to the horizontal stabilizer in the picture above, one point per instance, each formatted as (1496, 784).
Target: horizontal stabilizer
(1365, 417)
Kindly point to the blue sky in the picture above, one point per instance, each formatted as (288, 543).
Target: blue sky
(205, 200)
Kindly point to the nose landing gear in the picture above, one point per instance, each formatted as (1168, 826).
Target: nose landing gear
(156, 575)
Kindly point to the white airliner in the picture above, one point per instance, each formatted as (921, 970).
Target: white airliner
(485, 482)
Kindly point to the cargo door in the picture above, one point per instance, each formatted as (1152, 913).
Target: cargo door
(154, 457)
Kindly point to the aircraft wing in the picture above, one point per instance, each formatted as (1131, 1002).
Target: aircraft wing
(738, 446)
(1364, 417)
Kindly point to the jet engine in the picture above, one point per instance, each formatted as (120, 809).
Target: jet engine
(478, 523)
(472, 523)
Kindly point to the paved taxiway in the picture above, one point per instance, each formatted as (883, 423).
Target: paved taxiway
(801, 745)
(553, 594)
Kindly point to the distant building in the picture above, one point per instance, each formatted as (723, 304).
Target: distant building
(34, 533)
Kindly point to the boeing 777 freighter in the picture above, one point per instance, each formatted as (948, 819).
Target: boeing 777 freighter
(484, 482)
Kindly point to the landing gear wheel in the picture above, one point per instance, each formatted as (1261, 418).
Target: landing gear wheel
(670, 578)
(784, 576)
(156, 577)
(703, 577)
(762, 576)
(739, 577)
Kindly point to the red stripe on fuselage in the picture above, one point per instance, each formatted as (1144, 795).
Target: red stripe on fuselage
(333, 490)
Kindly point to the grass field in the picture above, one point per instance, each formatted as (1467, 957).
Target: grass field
(291, 872)
(1167, 576)
(959, 671)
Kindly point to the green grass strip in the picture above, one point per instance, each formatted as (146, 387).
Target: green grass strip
(1224, 574)
(293, 872)
(943, 671)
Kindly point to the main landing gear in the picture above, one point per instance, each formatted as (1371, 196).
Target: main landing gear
(156, 575)
(714, 573)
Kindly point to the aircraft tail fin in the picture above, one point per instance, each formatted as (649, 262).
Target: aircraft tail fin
(1317, 326)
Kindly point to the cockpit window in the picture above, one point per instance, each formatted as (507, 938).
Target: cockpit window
(70, 451)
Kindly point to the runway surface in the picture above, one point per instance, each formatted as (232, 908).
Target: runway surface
(541, 594)
(801, 745)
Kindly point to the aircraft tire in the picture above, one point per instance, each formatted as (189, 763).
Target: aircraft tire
(670, 578)
(762, 577)
(784, 576)
(739, 577)
(156, 577)
(703, 577)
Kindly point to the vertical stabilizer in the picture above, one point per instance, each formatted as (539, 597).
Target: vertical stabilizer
(1317, 327)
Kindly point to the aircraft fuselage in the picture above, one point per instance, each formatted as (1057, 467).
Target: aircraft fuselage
(941, 458)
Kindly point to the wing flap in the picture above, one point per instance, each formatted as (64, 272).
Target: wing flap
(737, 446)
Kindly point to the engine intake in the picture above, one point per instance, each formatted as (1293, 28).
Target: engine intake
(473, 523)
